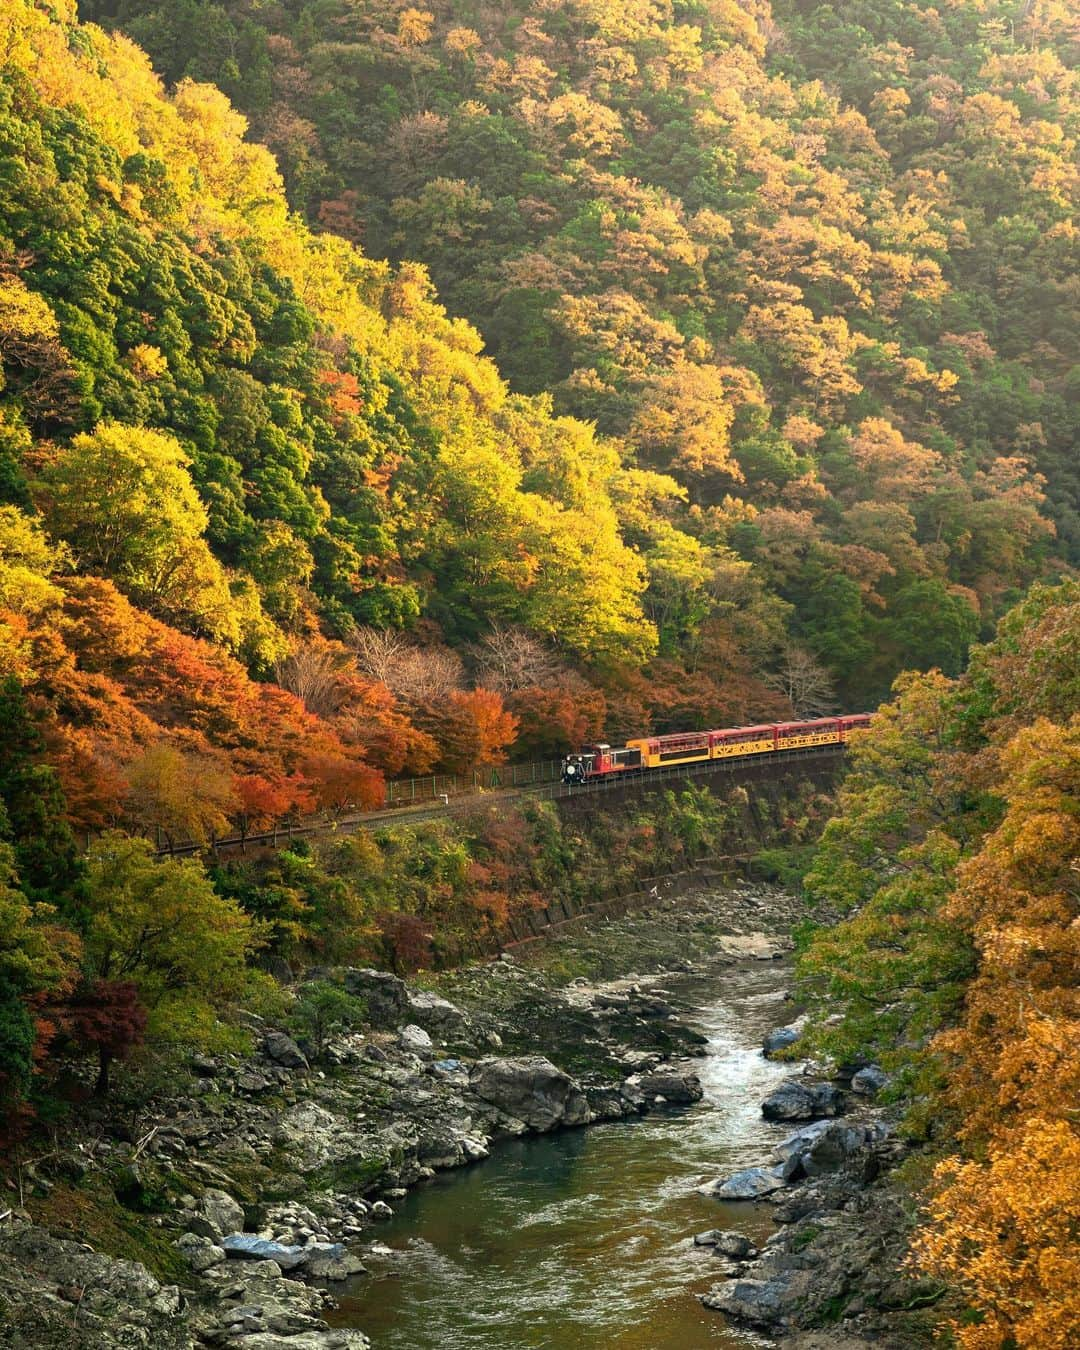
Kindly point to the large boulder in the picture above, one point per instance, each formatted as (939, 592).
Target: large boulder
(728, 1243)
(750, 1184)
(778, 1040)
(283, 1050)
(201, 1252)
(681, 1088)
(836, 1144)
(386, 996)
(436, 1015)
(869, 1081)
(330, 1261)
(795, 1099)
(765, 1303)
(795, 1145)
(219, 1213)
(532, 1090)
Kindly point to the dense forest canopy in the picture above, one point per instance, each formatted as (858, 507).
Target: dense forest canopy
(785, 379)
(392, 388)
(817, 265)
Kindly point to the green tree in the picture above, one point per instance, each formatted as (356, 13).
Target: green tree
(33, 799)
(36, 958)
(323, 1010)
(124, 500)
(27, 561)
(930, 626)
(162, 926)
(893, 971)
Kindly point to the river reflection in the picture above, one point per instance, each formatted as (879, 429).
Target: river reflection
(583, 1240)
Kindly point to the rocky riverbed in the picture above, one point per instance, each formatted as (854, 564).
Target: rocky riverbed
(229, 1210)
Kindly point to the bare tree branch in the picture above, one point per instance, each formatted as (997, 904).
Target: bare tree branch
(412, 674)
(510, 659)
(804, 682)
(313, 674)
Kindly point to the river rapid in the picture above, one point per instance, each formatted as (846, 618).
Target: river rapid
(583, 1240)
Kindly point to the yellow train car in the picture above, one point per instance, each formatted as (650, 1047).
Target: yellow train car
(760, 740)
(685, 748)
(806, 735)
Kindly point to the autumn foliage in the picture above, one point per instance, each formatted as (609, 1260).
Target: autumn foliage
(108, 1018)
(959, 842)
(781, 403)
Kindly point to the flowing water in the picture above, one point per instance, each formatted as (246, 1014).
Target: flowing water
(582, 1240)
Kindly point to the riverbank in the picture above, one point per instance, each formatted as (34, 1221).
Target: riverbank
(250, 1188)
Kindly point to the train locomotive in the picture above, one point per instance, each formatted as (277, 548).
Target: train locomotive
(692, 747)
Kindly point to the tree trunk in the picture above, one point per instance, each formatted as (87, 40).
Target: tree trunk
(101, 1087)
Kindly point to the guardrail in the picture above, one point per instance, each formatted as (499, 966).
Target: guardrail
(407, 791)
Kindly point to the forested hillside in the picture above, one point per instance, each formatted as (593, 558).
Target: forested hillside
(786, 387)
(388, 389)
(226, 440)
(955, 854)
(814, 264)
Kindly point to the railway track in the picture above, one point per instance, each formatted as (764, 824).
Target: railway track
(750, 768)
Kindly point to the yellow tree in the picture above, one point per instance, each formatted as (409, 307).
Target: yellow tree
(1005, 1225)
(186, 797)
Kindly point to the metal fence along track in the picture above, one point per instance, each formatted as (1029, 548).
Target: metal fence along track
(421, 799)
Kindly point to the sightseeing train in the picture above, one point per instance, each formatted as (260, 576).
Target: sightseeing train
(690, 747)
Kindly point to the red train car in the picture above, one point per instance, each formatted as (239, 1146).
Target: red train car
(689, 747)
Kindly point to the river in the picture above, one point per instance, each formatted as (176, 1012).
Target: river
(583, 1240)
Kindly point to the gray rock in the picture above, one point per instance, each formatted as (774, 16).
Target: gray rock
(121, 1306)
(331, 1261)
(250, 1081)
(436, 1015)
(440, 1144)
(222, 1213)
(736, 1245)
(836, 1144)
(680, 1088)
(749, 1184)
(779, 1039)
(335, 1339)
(868, 1082)
(475, 1150)
(386, 997)
(762, 1302)
(795, 1099)
(283, 1050)
(416, 1041)
(315, 1137)
(532, 1090)
(381, 1210)
(707, 1239)
(610, 1103)
(248, 1247)
(795, 1145)
(631, 1093)
(201, 1252)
